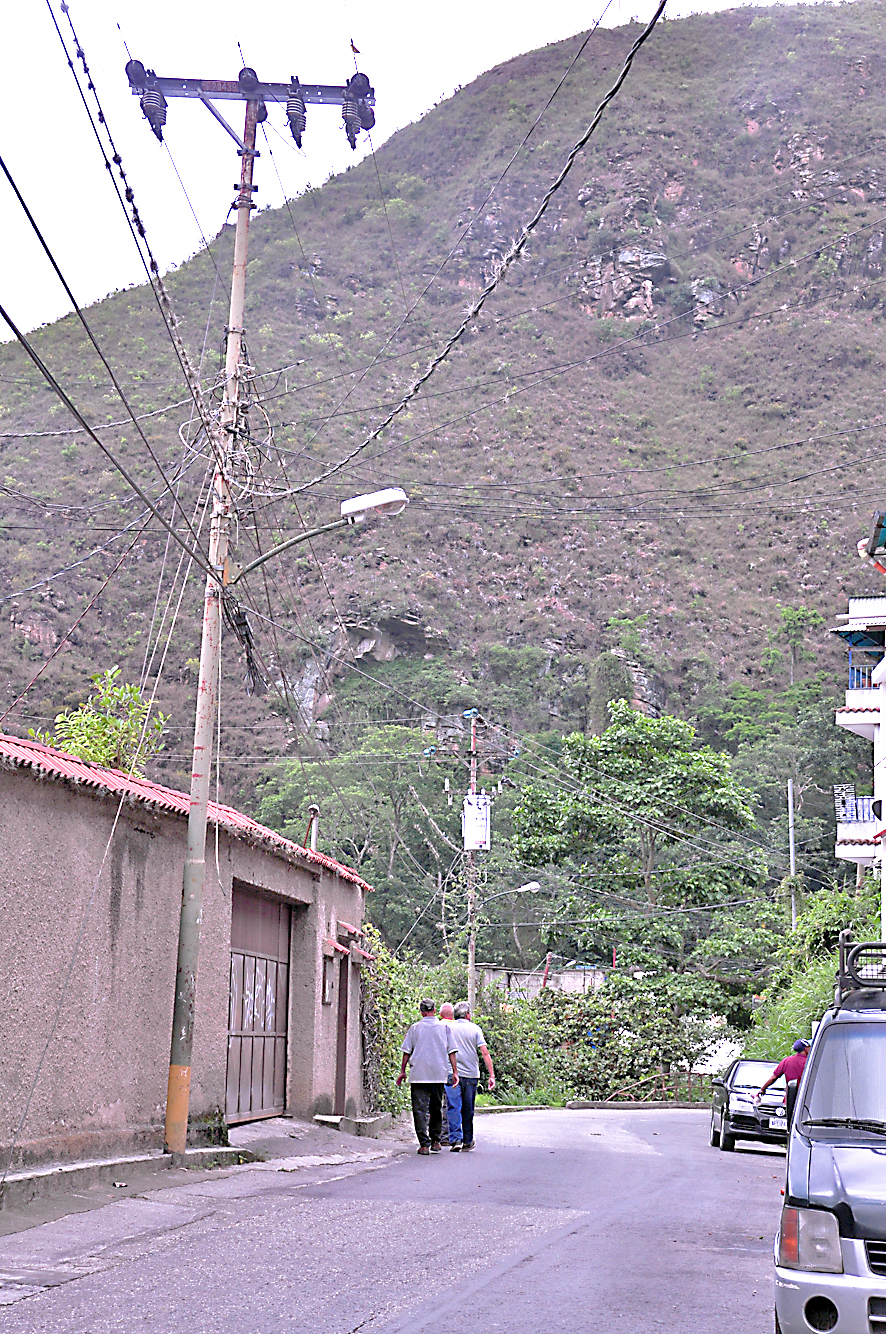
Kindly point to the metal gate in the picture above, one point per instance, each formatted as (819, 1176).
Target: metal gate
(259, 1006)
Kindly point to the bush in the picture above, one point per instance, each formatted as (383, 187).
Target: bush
(791, 1015)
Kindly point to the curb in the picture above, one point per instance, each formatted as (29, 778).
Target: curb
(517, 1107)
(23, 1187)
(579, 1105)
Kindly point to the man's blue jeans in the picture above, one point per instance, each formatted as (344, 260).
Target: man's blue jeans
(460, 1110)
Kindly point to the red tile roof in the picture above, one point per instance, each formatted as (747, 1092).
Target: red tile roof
(16, 753)
(851, 708)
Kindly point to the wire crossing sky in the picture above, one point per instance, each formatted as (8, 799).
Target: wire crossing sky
(413, 55)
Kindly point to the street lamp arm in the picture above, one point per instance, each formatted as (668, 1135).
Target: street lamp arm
(292, 542)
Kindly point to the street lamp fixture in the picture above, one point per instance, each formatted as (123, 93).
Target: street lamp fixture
(392, 500)
(531, 888)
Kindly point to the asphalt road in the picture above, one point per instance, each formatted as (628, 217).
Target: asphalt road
(618, 1222)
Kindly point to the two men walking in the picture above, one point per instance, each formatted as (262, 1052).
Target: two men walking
(444, 1056)
(429, 1051)
(460, 1097)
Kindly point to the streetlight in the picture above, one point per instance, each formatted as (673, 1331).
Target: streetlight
(532, 887)
(392, 500)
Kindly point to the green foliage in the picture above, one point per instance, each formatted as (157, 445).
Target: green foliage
(638, 788)
(796, 624)
(803, 987)
(112, 728)
(790, 1014)
(605, 1042)
(627, 631)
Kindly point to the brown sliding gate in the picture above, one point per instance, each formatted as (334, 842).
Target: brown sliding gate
(259, 1006)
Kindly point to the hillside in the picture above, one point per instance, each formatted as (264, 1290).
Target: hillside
(670, 410)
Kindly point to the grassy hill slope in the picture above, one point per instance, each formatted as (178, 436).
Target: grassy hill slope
(670, 409)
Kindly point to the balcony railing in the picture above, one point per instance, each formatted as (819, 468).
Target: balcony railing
(860, 677)
(849, 808)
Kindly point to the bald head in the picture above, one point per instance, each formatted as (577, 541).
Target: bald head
(446, 1011)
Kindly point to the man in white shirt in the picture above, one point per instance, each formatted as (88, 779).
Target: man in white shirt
(429, 1050)
(470, 1046)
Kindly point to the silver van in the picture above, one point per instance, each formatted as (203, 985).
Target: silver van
(830, 1252)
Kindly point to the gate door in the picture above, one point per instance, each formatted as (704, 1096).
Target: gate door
(259, 1006)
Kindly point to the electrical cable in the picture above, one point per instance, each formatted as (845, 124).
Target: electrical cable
(78, 416)
(66, 636)
(90, 335)
(135, 224)
(503, 266)
(390, 338)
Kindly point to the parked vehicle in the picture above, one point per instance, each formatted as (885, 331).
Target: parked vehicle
(734, 1113)
(830, 1252)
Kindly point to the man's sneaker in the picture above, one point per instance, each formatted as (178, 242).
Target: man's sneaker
(468, 1146)
(456, 1147)
(424, 1150)
(436, 1147)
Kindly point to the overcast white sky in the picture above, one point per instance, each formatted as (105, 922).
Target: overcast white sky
(414, 54)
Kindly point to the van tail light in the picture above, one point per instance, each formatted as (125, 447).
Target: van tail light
(789, 1238)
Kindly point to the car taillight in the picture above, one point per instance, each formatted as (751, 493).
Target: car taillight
(789, 1238)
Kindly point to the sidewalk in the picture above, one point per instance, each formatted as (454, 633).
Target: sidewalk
(263, 1147)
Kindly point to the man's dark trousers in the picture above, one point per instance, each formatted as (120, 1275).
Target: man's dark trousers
(427, 1112)
(468, 1098)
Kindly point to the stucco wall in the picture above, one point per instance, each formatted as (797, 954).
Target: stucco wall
(102, 1083)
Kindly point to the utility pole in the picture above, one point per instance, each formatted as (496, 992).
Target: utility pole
(475, 824)
(793, 854)
(356, 99)
(472, 881)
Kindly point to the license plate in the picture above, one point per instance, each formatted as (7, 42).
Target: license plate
(778, 1123)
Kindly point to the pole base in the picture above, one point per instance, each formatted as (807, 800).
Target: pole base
(178, 1096)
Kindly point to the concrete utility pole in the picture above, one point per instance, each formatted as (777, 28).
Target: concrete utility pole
(178, 1091)
(472, 882)
(793, 853)
(355, 99)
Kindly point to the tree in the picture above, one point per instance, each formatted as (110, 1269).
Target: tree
(639, 789)
(796, 623)
(113, 727)
(651, 828)
(383, 811)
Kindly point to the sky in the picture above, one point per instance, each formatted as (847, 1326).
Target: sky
(415, 55)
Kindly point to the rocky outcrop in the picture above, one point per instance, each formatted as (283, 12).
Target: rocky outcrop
(624, 281)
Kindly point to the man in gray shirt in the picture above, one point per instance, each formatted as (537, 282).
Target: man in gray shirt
(429, 1050)
(470, 1046)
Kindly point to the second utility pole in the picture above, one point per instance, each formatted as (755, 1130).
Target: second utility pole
(178, 1092)
(472, 882)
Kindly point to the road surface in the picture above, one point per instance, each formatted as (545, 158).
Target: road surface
(618, 1222)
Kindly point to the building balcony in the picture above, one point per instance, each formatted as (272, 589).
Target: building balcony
(861, 713)
(855, 841)
(857, 824)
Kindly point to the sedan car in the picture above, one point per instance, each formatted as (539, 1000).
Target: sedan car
(736, 1115)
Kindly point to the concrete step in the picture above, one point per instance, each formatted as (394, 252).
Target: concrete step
(368, 1126)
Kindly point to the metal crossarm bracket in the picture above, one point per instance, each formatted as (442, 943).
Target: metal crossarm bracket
(318, 94)
(221, 120)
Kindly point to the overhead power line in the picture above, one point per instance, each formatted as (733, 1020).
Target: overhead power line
(124, 472)
(502, 267)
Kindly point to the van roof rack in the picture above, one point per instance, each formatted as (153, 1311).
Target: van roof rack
(862, 966)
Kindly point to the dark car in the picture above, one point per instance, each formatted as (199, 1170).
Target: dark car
(735, 1114)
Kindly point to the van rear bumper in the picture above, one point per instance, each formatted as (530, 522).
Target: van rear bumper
(849, 1292)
